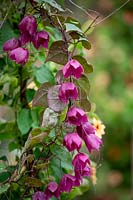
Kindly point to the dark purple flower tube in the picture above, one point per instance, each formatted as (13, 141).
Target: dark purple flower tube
(68, 91)
(72, 141)
(39, 196)
(20, 55)
(11, 44)
(73, 68)
(40, 38)
(92, 142)
(76, 116)
(52, 190)
(67, 182)
(28, 25)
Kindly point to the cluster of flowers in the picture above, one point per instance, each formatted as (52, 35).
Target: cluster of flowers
(73, 141)
(28, 33)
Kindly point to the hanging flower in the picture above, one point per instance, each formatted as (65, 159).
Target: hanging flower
(79, 162)
(67, 182)
(68, 91)
(11, 44)
(40, 38)
(85, 129)
(92, 142)
(76, 116)
(28, 25)
(39, 196)
(72, 141)
(73, 68)
(52, 190)
(20, 55)
(99, 128)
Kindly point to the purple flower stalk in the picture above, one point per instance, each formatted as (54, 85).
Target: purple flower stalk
(40, 38)
(20, 55)
(73, 68)
(68, 91)
(11, 44)
(72, 141)
(39, 196)
(76, 116)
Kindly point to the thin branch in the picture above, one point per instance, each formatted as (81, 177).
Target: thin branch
(81, 9)
(112, 13)
(6, 15)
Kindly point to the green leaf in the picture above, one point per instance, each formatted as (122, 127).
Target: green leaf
(88, 68)
(86, 44)
(24, 121)
(84, 83)
(33, 182)
(71, 20)
(12, 146)
(36, 136)
(52, 3)
(84, 100)
(63, 155)
(4, 176)
(43, 74)
(72, 27)
(30, 94)
(40, 98)
(58, 53)
(4, 188)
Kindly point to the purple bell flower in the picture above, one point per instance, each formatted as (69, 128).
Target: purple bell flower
(52, 190)
(11, 44)
(72, 141)
(92, 142)
(20, 55)
(67, 182)
(80, 162)
(68, 91)
(76, 116)
(85, 129)
(28, 25)
(40, 38)
(39, 196)
(73, 68)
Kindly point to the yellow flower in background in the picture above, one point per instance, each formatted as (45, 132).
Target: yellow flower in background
(99, 127)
